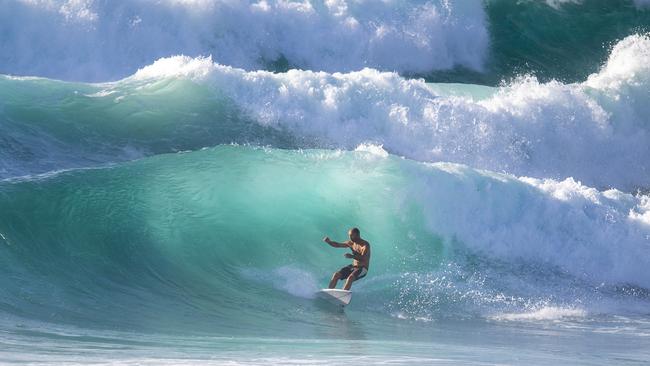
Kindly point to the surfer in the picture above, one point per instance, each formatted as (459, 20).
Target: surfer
(361, 255)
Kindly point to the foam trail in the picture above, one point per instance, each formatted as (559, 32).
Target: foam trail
(322, 35)
(545, 313)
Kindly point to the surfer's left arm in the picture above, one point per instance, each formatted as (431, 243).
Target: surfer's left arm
(360, 256)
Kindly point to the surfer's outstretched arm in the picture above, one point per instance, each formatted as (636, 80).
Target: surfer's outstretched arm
(335, 244)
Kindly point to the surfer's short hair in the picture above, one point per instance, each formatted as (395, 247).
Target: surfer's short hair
(355, 230)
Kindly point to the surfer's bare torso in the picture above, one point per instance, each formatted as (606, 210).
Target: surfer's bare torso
(360, 253)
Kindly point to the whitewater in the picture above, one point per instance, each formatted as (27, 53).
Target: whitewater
(169, 168)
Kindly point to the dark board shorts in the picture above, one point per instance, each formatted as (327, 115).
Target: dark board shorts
(347, 271)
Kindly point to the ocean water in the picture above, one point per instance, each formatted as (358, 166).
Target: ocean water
(169, 168)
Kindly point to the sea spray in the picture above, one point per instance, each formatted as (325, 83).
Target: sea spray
(108, 41)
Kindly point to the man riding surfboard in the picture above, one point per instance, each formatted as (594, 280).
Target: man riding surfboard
(360, 255)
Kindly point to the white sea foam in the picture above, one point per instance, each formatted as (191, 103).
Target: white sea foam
(295, 281)
(596, 131)
(544, 313)
(558, 3)
(598, 236)
(376, 150)
(98, 40)
(627, 65)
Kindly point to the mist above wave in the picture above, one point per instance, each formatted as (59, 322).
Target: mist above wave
(97, 40)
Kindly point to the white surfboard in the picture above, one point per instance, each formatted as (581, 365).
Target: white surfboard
(335, 296)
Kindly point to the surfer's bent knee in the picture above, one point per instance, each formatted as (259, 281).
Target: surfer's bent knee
(353, 275)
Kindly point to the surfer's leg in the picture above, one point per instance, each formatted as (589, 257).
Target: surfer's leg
(351, 278)
(335, 279)
(342, 273)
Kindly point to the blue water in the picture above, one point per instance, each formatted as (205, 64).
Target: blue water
(165, 186)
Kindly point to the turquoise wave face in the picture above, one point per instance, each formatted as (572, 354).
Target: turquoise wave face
(227, 239)
(200, 232)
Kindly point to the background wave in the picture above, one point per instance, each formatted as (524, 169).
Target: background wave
(558, 39)
(595, 131)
